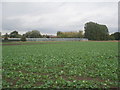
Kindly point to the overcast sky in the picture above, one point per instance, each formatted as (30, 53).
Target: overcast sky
(50, 17)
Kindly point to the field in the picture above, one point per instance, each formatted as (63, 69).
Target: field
(60, 65)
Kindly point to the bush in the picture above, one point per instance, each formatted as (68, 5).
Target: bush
(23, 38)
(6, 38)
(111, 37)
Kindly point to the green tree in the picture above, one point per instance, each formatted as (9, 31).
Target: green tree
(59, 34)
(80, 34)
(23, 38)
(94, 31)
(70, 34)
(0, 34)
(116, 35)
(6, 36)
(33, 34)
(111, 37)
(28, 34)
(14, 34)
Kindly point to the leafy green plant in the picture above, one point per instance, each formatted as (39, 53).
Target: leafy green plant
(60, 65)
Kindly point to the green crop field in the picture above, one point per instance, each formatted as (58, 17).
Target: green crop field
(60, 65)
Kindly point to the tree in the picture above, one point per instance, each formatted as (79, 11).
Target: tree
(59, 33)
(33, 34)
(111, 37)
(47, 36)
(28, 34)
(94, 31)
(14, 34)
(116, 35)
(23, 38)
(70, 34)
(80, 34)
(0, 34)
(6, 36)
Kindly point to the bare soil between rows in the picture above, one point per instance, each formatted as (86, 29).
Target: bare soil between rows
(27, 44)
(48, 42)
(105, 41)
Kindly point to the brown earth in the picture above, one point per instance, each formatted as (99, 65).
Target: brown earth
(47, 42)
(26, 44)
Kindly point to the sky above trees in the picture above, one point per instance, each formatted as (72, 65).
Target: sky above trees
(50, 17)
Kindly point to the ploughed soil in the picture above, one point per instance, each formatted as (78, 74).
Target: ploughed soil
(106, 41)
(26, 44)
(47, 42)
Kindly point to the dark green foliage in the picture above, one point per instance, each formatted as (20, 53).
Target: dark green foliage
(23, 38)
(0, 34)
(94, 31)
(70, 34)
(80, 34)
(6, 37)
(33, 34)
(14, 34)
(47, 36)
(111, 37)
(59, 33)
(116, 35)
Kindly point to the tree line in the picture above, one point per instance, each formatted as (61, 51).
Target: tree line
(70, 34)
(93, 31)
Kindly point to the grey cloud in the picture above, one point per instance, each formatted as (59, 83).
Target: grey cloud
(52, 17)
